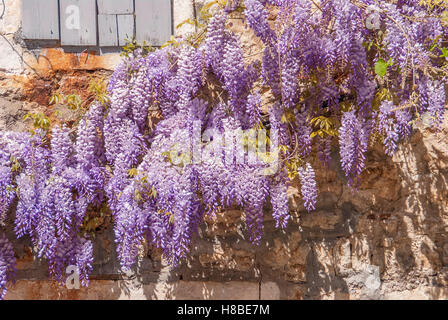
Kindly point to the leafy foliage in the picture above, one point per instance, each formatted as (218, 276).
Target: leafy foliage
(327, 77)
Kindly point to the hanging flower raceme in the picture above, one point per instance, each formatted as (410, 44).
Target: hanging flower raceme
(353, 143)
(7, 194)
(7, 264)
(35, 161)
(309, 189)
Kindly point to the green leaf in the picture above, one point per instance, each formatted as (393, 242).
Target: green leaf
(381, 68)
(389, 62)
(444, 52)
(153, 192)
(434, 44)
(133, 172)
(444, 17)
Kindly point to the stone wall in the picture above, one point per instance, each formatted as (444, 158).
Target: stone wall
(386, 240)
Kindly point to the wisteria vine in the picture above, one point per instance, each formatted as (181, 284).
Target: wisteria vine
(323, 75)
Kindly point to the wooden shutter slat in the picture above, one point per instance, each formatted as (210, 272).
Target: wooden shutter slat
(40, 19)
(115, 6)
(153, 21)
(125, 28)
(87, 34)
(107, 30)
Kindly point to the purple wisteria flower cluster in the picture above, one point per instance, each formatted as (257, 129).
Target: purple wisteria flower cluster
(318, 61)
(7, 264)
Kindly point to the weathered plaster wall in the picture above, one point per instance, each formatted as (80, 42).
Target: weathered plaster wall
(30, 72)
(388, 240)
